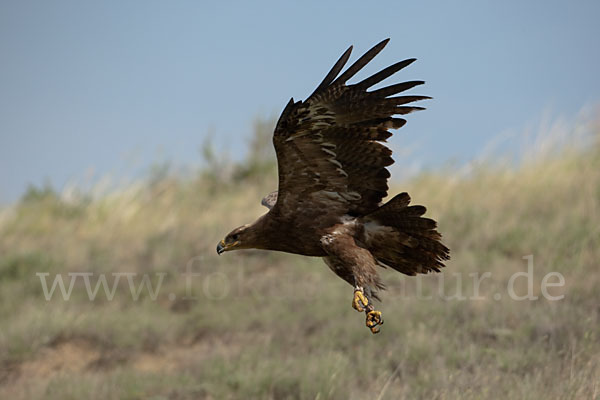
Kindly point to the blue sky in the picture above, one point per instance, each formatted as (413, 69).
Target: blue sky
(110, 87)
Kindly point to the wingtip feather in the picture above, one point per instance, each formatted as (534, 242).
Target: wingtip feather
(334, 71)
(385, 73)
(362, 61)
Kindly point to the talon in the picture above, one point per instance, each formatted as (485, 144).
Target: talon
(360, 301)
(374, 320)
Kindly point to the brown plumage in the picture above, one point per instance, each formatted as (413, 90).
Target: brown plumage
(333, 177)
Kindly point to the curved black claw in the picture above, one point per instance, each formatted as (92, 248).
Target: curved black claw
(374, 321)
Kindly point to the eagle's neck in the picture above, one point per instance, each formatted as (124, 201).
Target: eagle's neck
(270, 233)
(259, 234)
(267, 233)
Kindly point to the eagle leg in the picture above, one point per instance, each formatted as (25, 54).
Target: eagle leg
(361, 302)
(356, 266)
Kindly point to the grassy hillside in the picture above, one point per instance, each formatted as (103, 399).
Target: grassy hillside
(278, 326)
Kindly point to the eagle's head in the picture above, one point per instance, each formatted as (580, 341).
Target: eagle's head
(239, 238)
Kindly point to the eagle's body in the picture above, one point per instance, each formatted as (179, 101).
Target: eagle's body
(332, 180)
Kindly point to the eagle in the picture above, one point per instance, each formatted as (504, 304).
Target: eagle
(332, 169)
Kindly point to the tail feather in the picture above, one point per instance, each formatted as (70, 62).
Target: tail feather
(399, 237)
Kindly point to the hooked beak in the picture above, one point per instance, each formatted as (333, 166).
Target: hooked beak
(221, 247)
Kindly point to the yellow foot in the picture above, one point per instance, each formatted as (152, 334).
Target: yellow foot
(374, 320)
(360, 301)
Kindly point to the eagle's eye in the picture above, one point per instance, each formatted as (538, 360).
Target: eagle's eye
(235, 237)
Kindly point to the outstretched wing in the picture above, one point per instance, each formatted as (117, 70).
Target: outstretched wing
(329, 153)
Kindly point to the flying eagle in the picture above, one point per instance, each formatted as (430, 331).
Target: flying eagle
(332, 179)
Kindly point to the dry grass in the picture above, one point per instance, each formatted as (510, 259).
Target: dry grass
(277, 326)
